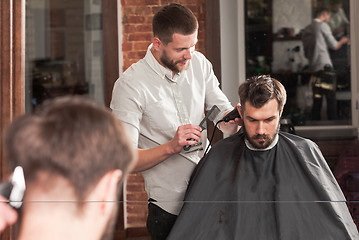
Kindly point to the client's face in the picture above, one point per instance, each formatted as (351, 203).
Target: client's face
(261, 125)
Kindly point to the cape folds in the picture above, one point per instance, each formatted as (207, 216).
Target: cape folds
(287, 192)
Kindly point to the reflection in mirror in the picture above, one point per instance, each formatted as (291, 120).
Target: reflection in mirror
(283, 40)
(63, 50)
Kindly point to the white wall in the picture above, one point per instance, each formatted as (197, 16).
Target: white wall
(232, 47)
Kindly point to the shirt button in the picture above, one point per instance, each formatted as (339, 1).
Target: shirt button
(185, 119)
(179, 101)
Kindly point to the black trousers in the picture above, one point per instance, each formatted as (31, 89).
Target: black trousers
(159, 222)
(325, 84)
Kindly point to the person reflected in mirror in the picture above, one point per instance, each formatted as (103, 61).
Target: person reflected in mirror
(74, 154)
(338, 21)
(262, 183)
(339, 24)
(317, 38)
(161, 99)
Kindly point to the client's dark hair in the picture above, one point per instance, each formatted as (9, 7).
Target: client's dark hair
(258, 90)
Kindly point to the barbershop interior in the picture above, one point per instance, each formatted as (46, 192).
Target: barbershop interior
(52, 48)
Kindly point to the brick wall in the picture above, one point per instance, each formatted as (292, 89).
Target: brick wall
(137, 35)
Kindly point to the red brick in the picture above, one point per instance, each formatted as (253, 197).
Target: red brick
(136, 19)
(140, 37)
(155, 9)
(136, 55)
(141, 2)
(144, 28)
(141, 46)
(137, 209)
(127, 28)
(149, 19)
(134, 188)
(127, 47)
(136, 197)
(135, 175)
(143, 11)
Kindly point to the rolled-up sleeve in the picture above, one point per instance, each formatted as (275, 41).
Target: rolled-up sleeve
(328, 36)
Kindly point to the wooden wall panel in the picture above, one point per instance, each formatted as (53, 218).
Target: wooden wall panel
(11, 67)
(12, 84)
(110, 47)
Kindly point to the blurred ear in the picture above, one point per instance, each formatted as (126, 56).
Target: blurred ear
(106, 191)
(240, 110)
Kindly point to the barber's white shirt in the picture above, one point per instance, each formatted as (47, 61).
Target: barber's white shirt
(152, 105)
(317, 38)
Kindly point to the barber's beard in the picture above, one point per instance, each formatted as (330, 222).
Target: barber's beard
(110, 228)
(268, 139)
(170, 64)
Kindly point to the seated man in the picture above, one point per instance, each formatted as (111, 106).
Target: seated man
(262, 183)
(74, 154)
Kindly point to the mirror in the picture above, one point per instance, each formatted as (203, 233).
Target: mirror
(64, 54)
(273, 41)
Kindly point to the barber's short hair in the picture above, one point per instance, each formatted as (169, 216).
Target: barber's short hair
(258, 90)
(332, 2)
(72, 138)
(320, 11)
(173, 18)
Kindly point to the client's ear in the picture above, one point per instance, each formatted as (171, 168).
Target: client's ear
(239, 109)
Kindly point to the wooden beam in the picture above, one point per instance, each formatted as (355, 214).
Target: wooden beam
(12, 78)
(213, 51)
(110, 47)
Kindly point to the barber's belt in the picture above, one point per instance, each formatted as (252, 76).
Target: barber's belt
(324, 80)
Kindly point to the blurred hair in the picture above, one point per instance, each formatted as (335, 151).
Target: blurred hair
(173, 18)
(69, 137)
(258, 90)
(332, 2)
(320, 11)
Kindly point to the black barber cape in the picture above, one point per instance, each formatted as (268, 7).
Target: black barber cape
(284, 193)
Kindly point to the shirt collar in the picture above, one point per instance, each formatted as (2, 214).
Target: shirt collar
(251, 147)
(158, 68)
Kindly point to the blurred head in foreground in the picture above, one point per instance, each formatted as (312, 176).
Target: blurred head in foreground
(74, 154)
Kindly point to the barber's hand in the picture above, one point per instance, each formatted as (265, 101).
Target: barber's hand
(236, 121)
(232, 126)
(8, 215)
(188, 134)
(344, 40)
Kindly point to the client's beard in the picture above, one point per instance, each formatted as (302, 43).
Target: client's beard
(268, 139)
